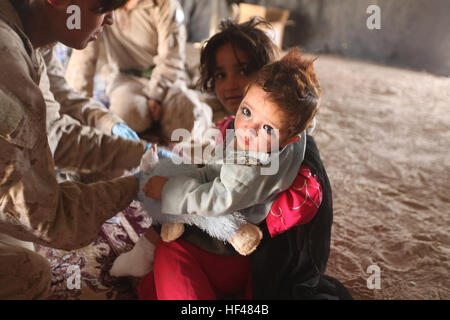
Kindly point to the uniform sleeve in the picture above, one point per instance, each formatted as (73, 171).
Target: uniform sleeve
(297, 205)
(87, 111)
(33, 206)
(171, 56)
(73, 126)
(82, 67)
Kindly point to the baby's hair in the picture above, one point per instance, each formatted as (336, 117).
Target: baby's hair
(246, 36)
(293, 85)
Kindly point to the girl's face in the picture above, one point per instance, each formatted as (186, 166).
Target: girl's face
(92, 20)
(259, 121)
(230, 76)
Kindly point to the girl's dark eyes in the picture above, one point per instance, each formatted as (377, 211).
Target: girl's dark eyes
(244, 72)
(219, 75)
(246, 112)
(267, 128)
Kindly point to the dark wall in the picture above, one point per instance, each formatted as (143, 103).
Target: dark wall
(197, 18)
(414, 33)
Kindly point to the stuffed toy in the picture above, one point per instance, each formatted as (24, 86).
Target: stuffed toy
(243, 236)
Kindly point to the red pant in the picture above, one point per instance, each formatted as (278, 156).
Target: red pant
(184, 272)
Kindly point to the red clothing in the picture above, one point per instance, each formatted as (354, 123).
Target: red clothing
(185, 272)
(297, 205)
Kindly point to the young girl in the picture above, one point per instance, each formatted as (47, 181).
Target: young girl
(230, 58)
(283, 98)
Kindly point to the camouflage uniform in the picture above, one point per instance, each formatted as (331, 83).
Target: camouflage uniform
(33, 206)
(79, 128)
(23, 273)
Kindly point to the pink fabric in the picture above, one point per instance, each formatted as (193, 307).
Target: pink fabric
(223, 126)
(297, 205)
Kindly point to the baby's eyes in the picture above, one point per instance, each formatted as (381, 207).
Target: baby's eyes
(267, 128)
(246, 112)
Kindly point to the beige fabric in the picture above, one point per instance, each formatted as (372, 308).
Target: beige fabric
(82, 67)
(88, 111)
(79, 129)
(6, 239)
(184, 109)
(24, 274)
(143, 37)
(146, 36)
(149, 35)
(129, 102)
(33, 206)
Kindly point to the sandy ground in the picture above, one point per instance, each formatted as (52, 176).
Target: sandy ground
(384, 136)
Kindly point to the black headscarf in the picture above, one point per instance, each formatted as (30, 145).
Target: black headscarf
(292, 265)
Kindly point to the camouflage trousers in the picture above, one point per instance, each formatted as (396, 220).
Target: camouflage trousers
(24, 274)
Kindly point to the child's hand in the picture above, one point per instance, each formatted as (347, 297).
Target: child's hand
(153, 187)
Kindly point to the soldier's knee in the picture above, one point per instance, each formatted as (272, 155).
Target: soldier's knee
(133, 109)
(42, 276)
(24, 275)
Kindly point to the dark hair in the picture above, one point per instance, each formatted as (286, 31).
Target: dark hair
(293, 85)
(110, 5)
(247, 37)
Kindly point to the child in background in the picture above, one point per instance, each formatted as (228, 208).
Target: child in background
(282, 99)
(231, 57)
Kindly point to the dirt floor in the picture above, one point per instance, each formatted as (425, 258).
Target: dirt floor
(384, 137)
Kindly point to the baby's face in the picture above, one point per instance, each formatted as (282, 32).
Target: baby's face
(260, 125)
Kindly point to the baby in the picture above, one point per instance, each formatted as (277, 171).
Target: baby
(279, 104)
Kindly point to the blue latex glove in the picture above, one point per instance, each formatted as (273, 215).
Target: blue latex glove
(122, 130)
(162, 153)
(138, 175)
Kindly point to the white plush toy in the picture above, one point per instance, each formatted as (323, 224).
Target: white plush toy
(222, 227)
